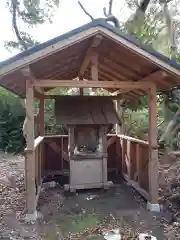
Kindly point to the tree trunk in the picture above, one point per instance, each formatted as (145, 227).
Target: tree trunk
(138, 17)
(170, 30)
(170, 127)
(173, 49)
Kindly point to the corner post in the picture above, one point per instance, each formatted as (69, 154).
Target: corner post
(30, 155)
(153, 168)
(41, 115)
(119, 112)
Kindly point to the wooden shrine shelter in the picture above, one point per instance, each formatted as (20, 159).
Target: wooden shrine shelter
(96, 55)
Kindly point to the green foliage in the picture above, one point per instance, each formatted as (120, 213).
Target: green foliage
(136, 123)
(136, 120)
(27, 38)
(31, 13)
(137, 104)
(11, 119)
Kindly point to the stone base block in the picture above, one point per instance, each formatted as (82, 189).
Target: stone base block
(31, 217)
(153, 207)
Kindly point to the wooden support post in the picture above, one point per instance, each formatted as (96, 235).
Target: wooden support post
(103, 136)
(81, 91)
(138, 167)
(123, 146)
(70, 141)
(41, 115)
(153, 169)
(94, 66)
(118, 110)
(30, 155)
(118, 156)
(128, 159)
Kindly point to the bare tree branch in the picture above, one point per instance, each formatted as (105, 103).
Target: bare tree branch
(144, 5)
(110, 7)
(14, 24)
(109, 16)
(171, 30)
(85, 11)
(173, 53)
(105, 13)
(114, 20)
(109, 10)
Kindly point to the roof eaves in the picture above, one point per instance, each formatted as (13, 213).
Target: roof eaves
(95, 23)
(38, 47)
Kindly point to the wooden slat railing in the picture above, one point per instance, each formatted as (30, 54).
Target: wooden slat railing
(134, 163)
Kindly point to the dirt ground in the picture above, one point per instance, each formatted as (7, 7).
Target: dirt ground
(81, 216)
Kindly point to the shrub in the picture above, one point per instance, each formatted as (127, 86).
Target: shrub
(11, 120)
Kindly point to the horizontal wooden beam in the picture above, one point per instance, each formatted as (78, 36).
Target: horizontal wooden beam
(52, 96)
(93, 84)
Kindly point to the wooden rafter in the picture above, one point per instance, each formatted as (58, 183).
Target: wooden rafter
(93, 84)
(159, 75)
(88, 56)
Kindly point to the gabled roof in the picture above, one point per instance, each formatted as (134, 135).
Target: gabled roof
(85, 110)
(121, 57)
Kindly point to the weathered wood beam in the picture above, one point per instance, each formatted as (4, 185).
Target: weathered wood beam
(118, 106)
(27, 73)
(87, 58)
(58, 96)
(136, 186)
(94, 66)
(154, 77)
(111, 140)
(120, 91)
(81, 90)
(41, 116)
(93, 84)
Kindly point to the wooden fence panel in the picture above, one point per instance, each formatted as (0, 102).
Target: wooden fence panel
(135, 159)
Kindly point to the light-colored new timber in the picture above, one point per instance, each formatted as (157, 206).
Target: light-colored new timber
(89, 54)
(30, 154)
(153, 168)
(93, 84)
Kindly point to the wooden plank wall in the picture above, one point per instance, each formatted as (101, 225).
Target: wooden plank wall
(56, 158)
